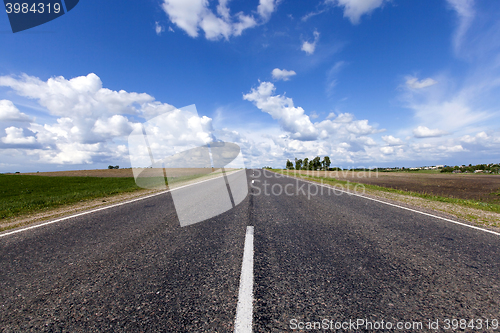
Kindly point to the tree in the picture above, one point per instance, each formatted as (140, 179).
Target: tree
(326, 163)
(306, 164)
(298, 164)
(311, 165)
(316, 163)
(110, 167)
(289, 165)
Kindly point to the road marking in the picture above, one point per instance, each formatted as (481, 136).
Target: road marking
(107, 207)
(402, 207)
(244, 310)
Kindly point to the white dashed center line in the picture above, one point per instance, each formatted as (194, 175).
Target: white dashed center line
(244, 310)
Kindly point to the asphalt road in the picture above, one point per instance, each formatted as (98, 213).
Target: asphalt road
(327, 258)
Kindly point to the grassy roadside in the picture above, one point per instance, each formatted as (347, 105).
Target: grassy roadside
(22, 194)
(25, 199)
(448, 202)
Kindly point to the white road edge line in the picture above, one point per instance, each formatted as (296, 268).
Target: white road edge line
(402, 207)
(244, 310)
(107, 207)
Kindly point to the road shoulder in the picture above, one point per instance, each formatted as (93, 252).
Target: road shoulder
(476, 217)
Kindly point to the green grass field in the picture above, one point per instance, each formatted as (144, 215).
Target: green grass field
(22, 194)
(26, 194)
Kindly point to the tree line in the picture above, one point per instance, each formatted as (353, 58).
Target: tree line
(310, 164)
(488, 168)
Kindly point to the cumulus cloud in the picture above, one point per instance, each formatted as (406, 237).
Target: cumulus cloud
(482, 141)
(480, 137)
(72, 153)
(116, 125)
(354, 9)
(16, 136)
(387, 150)
(425, 132)
(152, 109)
(291, 118)
(266, 8)
(82, 96)
(346, 126)
(92, 122)
(452, 149)
(159, 28)
(9, 112)
(299, 126)
(309, 47)
(191, 15)
(414, 83)
(282, 74)
(392, 141)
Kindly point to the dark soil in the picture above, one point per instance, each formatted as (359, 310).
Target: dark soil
(485, 188)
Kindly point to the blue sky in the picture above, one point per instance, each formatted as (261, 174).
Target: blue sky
(366, 82)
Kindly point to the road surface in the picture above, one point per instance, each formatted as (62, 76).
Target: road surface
(328, 259)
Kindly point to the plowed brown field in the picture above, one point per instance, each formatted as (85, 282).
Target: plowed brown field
(481, 187)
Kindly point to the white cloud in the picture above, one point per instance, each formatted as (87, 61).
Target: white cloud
(291, 118)
(266, 8)
(116, 125)
(354, 9)
(82, 96)
(448, 108)
(414, 83)
(159, 29)
(346, 127)
(308, 47)
(387, 150)
(9, 112)
(312, 14)
(72, 153)
(466, 13)
(424, 132)
(331, 115)
(299, 126)
(186, 14)
(152, 109)
(92, 122)
(392, 141)
(16, 136)
(282, 74)
(480, 137)
(191, 15)
(452, 149)
(449, 115)
(331, 76)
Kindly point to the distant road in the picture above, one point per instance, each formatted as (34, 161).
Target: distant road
(330, 259)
